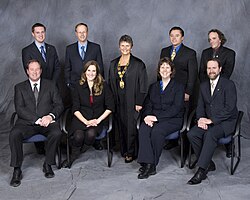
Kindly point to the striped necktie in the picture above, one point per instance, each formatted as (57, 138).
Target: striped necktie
(173, 54)
(43, 53)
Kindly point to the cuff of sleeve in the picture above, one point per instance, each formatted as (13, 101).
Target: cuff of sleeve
(53, 116)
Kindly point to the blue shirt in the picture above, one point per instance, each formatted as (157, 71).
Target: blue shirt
(176, 49)
(80, 47)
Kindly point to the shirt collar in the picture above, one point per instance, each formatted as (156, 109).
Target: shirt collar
(84, 44)
(39, 45)
(37, 82)
(215, 81)
(177, 48)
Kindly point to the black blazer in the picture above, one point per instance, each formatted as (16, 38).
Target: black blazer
(51, 68)
(226, 57)
(186, 66)
(74, 63)
(221, 107)
(49, 101)
(166, 105)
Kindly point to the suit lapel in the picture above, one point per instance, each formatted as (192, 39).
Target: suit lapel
(28, 88)
(41, 91)
(217, 89)
(38, 53)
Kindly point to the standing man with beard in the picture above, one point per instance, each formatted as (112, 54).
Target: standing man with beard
(216, 114)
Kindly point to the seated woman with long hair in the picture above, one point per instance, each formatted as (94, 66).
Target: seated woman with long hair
(162, 115)
(92, 104)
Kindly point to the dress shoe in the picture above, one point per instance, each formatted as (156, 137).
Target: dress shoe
(16, 178)
(149, 170)
(48, 172)
(142, 168)
(97, 145)
(66, 164)
(171, 144)
(211, 166)
(199, 176)
(128, 159)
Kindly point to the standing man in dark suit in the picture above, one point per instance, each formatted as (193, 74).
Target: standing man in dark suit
(78, 53)
(186, 67)
(45, 53)
(38, 104)
(226, 56)
(217, 114)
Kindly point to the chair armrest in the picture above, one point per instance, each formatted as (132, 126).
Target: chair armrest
(190, 119)
(110, 123)
(64, 120)
(238, 124)
(12, 119)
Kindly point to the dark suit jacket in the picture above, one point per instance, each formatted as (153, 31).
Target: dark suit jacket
(168, 105)
(186, 66)
(49, 101)
(74, 63)
(221, 107)
(226, 57)
(51, 68)
(81, 103)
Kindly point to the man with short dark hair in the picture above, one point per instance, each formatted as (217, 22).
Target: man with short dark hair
(185, 62)
(216, 114)
(38, 105)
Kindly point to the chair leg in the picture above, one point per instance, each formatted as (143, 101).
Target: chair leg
(68, 158)
(235, 156)
(109, 152)
(182, 151)
(59, 158)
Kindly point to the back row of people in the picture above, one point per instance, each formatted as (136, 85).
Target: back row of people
(127, 80)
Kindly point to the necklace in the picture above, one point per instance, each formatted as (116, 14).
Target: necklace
(121, 74)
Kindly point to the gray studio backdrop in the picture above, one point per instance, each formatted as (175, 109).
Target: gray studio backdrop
(147, 22)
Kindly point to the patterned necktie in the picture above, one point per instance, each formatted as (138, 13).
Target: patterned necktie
(173, 54)
(43, 53)
(82, 52)
(35, 90)
(212, 88)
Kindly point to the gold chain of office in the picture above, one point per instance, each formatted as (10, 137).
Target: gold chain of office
(121, 73)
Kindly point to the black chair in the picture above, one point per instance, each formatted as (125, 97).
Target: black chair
(176, 135)
(67, 118)
(38, 138)
(222, 141)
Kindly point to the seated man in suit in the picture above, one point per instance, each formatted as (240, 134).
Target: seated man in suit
(216, 114)
(226, 56)
(38, 104)
(77, 55)
(185, 62)
(46, 54)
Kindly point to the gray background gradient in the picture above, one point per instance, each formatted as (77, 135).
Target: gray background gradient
(148, 22)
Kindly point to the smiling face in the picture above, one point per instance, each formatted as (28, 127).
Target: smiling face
(34, 71)
(176, 37)
(165, 71)
(39, 34)
(213, 69)
(214, 40)
(91, 73)
(125, 48)
(82, 33)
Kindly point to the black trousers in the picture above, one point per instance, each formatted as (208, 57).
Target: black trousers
(204, 143)
(20, 132)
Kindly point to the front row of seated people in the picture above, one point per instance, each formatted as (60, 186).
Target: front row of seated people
(162, 114)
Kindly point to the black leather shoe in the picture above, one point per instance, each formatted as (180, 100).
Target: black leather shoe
(128, 159)
(66, 164)
(211, 167)
(171, 144)
(48, 172)
(16, 178)
(149, 170)
(97, 145)
(199, 176)
(142, 168)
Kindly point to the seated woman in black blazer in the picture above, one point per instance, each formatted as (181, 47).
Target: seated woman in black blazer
(92, 103)
(162, 115)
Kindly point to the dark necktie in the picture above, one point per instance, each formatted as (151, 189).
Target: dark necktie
(35, 90)
(43, 53)
(82, 52)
